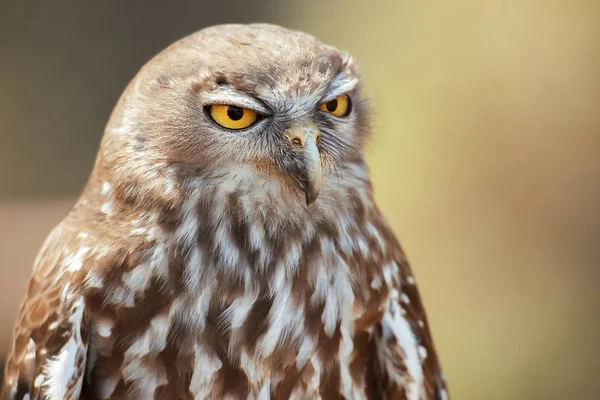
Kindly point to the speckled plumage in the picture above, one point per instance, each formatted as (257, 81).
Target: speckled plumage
(192, 267)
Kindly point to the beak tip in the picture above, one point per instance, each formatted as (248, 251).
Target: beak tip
(311, 197)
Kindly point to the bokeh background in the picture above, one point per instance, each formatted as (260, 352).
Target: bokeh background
(485, 157)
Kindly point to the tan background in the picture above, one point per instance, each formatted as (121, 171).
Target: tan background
(485, 157)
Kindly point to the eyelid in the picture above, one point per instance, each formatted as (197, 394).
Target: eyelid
(331, 98)
(339, 86)
(231, 97)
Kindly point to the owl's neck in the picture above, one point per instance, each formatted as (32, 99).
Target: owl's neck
(248, 230)
(238, 218)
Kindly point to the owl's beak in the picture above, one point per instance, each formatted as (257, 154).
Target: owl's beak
(303, 138)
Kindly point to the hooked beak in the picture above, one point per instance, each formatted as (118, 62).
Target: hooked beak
(303, 138)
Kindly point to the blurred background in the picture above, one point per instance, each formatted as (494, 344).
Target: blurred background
(485, 157)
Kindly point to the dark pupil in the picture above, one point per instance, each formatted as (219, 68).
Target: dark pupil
(331, 106)
(235, 113)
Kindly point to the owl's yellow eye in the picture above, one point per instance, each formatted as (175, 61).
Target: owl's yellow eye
(340, 106)
(232, 117)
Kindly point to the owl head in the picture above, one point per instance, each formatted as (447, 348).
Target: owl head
(272, 103)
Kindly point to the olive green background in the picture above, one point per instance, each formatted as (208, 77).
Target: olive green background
(485, 157)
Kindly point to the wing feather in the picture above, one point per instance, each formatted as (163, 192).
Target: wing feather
(408, 364)
(48, 354)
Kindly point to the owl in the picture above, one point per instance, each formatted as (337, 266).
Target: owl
(227, 244)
